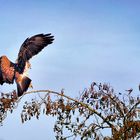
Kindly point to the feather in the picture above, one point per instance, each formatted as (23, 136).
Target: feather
(23, 85)
(7, 70)
(1, 77)
(18, 71)
(30, 47)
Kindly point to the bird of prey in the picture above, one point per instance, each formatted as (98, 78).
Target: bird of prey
(10, 72)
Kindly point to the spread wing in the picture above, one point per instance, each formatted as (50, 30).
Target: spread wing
(32, 46)
(6, 70)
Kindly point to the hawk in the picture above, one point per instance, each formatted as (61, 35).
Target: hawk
(10, 72)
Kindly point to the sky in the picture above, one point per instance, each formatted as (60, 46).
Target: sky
(95, 40)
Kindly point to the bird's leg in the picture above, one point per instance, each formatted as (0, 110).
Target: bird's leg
(29, 65)
(31, 86)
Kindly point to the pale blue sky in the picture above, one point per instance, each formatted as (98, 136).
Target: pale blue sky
(95, 40)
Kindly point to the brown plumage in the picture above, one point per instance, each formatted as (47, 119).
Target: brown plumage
(17, 71)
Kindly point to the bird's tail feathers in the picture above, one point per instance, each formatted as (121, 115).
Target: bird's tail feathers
(23, 85)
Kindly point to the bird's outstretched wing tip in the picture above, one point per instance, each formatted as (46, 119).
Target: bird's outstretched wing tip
(31, 47)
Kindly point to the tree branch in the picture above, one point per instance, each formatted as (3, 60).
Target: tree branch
(81, 103)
